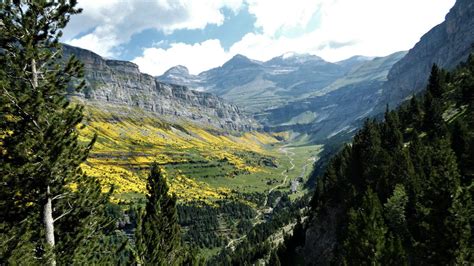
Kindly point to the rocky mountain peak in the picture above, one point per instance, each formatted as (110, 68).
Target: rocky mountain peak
(239, 60)
(179, 69)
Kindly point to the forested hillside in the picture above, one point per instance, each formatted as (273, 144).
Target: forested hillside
(402, 192)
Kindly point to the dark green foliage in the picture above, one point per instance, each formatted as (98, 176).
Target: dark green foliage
(366, 232)
(201, 222)
(435, 87)
(463, 146)
(274, 260)
(433, 121)
(92, 245)
(286, 252)
(392, 139)
(434, 239)
(39, 150)
(158, 236)
(395, 211)
(255, 245)
(418, 165)
(411, 114)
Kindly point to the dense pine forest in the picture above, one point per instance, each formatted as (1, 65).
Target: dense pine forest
(401, 193)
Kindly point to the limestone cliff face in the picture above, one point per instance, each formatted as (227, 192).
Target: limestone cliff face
(121, 83)
(446, 45)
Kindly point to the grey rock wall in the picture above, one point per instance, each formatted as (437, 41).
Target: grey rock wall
(446, 45)
(121, 83)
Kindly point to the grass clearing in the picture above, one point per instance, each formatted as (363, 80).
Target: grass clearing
(201, 164)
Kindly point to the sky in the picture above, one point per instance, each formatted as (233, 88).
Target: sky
(203, 34)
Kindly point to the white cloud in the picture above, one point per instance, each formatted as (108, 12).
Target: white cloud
(196, 58)
(366, 27)
(113, 22)
(346, 28)
(378, 27)
(273, 15)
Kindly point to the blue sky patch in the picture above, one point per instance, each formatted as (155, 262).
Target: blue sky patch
(235, 26)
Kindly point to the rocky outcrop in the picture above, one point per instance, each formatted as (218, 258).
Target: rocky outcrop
(121, 83)
(321, 237)
(446, 45)
(180, 75)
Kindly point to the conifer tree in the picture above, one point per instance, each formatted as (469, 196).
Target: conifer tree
(434, 207)
(415, 112)
(433, 122)
(158, 236)
(366, 155)
(394, 253)
(366, 233)
(395, 211)
(461, 147)
(41, 154)
(435, 86)
(392, 138)
(466, 81)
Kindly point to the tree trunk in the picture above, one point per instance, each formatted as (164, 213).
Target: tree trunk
(34, 72)
(49, 225)
(48, 207)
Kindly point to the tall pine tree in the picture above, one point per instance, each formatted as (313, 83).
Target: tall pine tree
(158, 236)
(51, 210)
(435, 86)
(366, 232)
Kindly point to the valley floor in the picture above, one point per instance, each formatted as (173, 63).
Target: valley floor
(237, 178)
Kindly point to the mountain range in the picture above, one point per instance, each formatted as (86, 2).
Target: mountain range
(258, 86)
(299, 92)
(305, 94)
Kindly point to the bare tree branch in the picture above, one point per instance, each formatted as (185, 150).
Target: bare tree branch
(65, 213)
(12, 100)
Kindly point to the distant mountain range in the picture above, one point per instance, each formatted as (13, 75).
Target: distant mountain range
(304, 93)
(337, 108)
(258, 86)
(300, 92)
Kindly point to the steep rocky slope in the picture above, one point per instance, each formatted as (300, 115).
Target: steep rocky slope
(446, 45)
(337, 108)
(121, 83)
